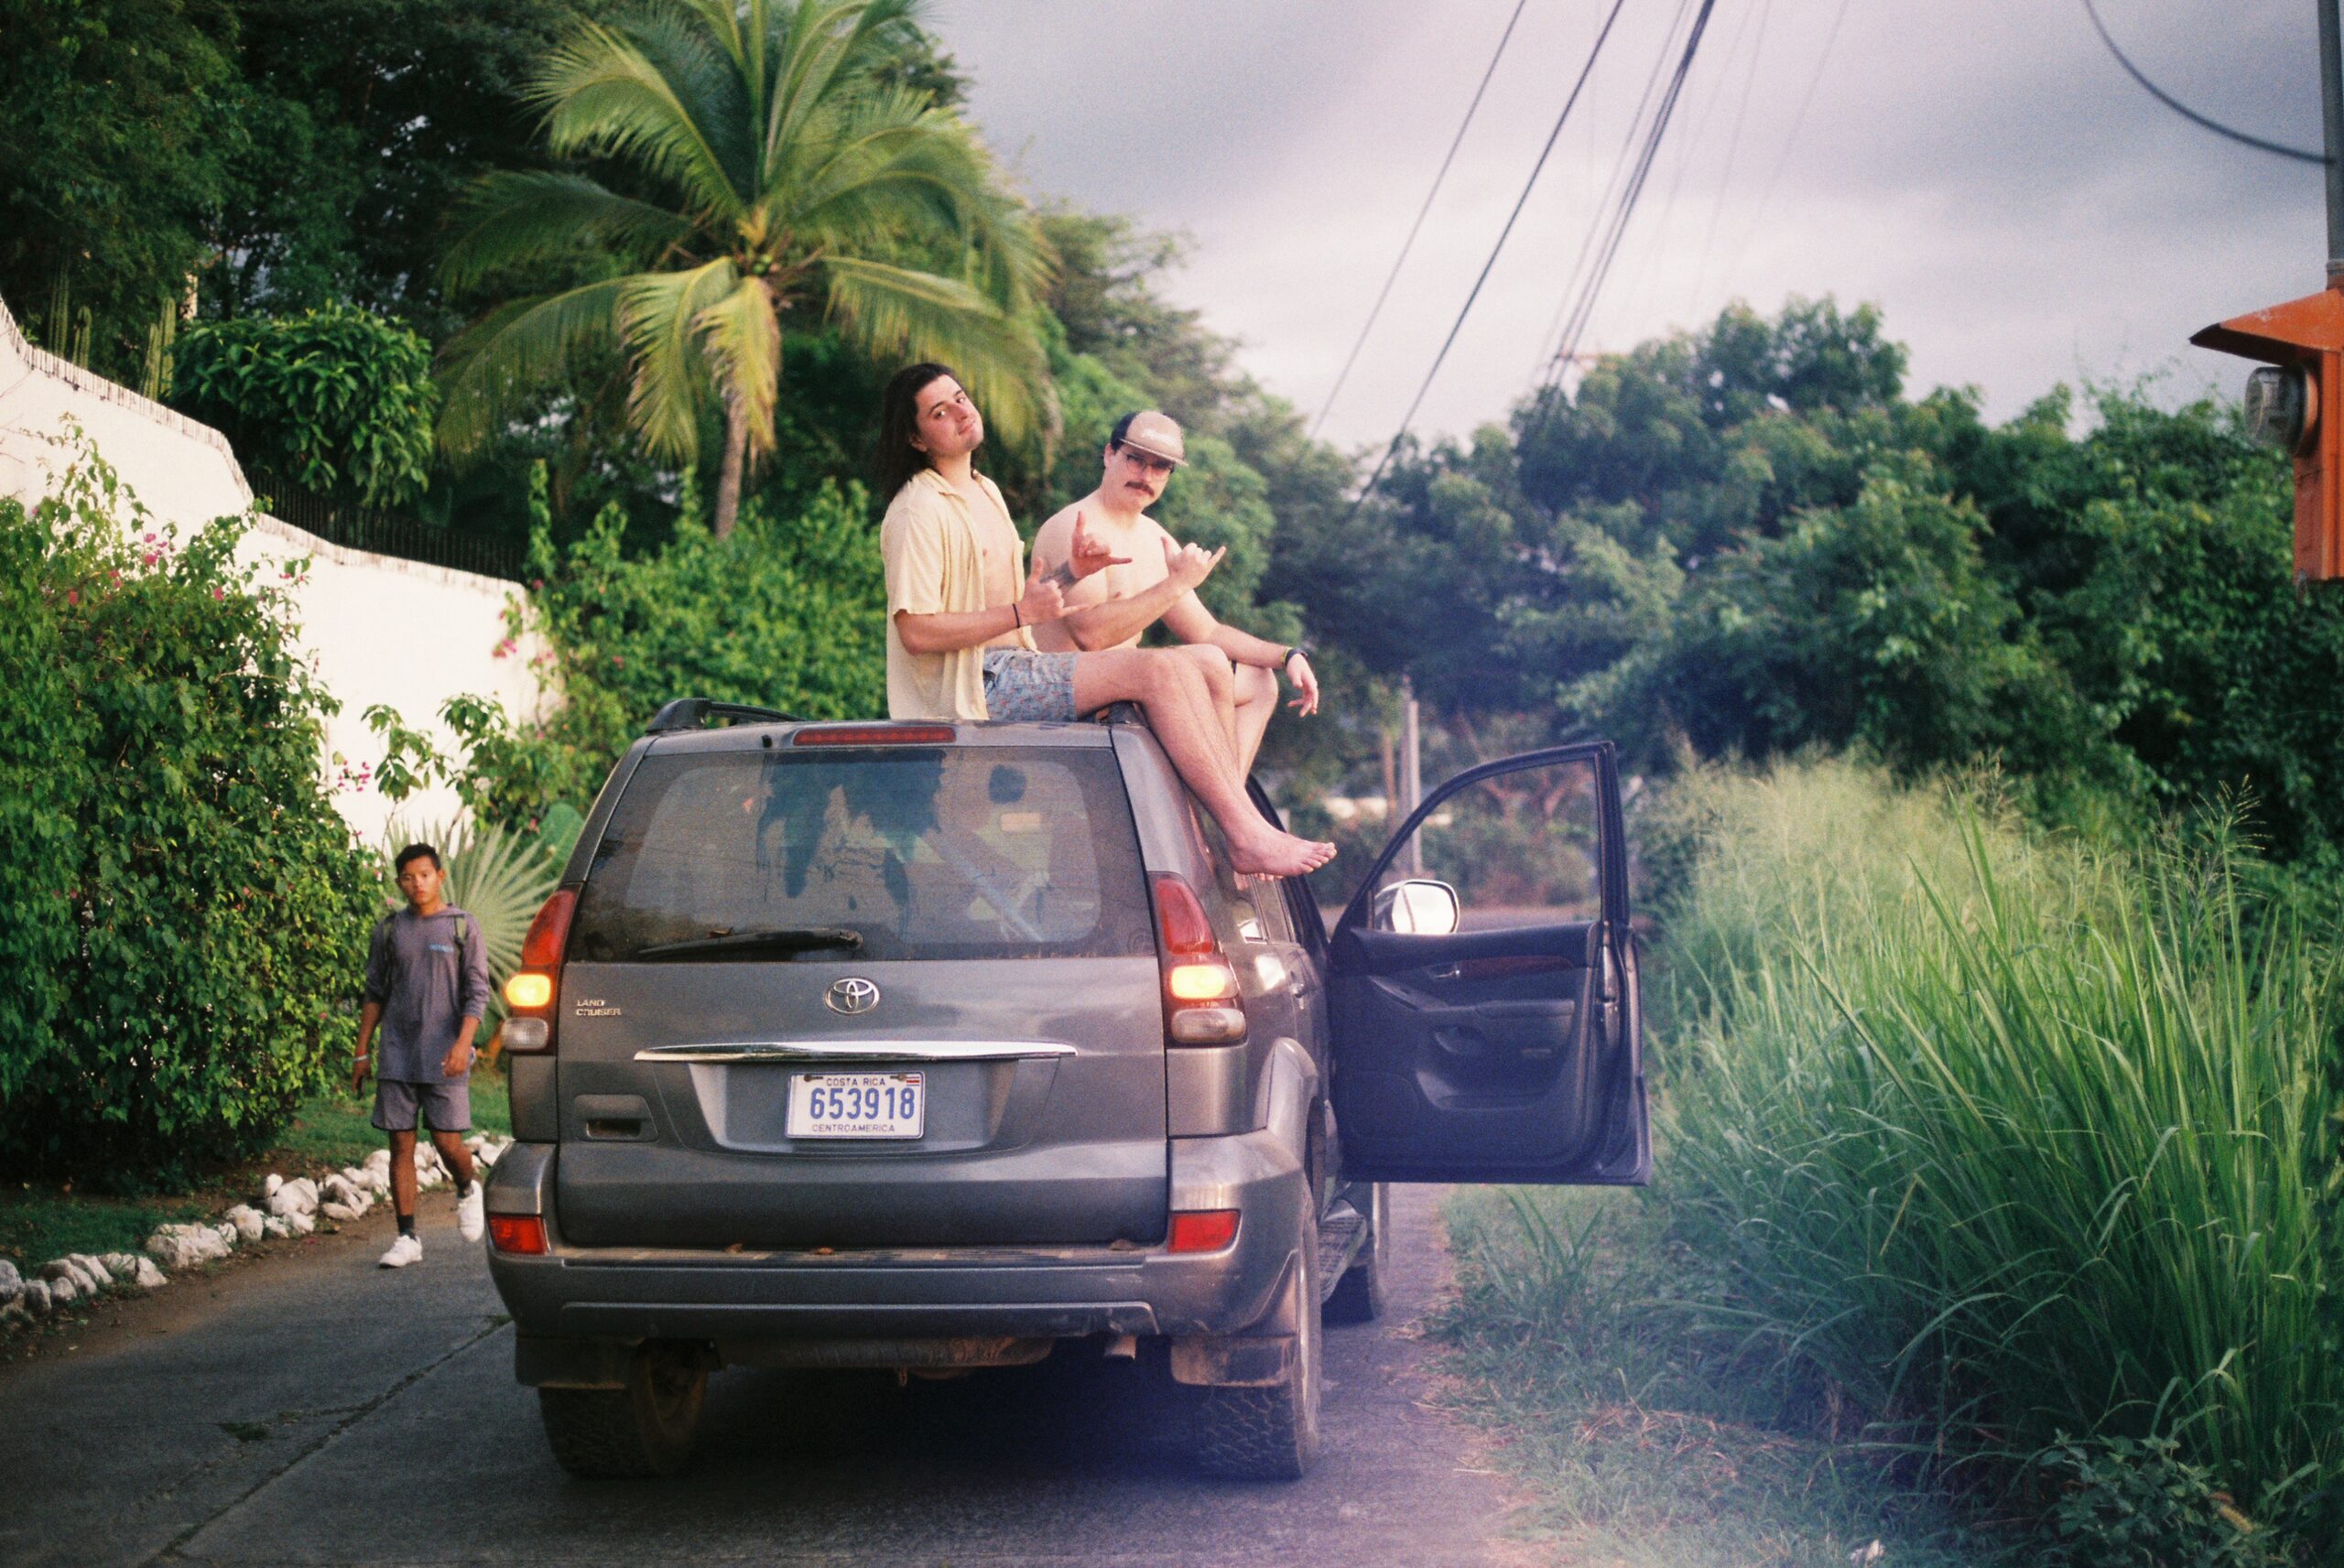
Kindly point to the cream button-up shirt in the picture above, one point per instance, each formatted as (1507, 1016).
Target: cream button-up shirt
(928, 543)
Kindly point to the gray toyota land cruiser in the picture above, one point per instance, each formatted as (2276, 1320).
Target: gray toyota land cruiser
(944, 1046)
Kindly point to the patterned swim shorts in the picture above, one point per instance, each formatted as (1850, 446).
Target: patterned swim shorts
(1029, 686)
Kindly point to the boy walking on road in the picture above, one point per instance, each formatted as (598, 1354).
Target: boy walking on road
(426, 987)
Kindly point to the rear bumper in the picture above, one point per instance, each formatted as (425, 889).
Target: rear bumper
(589, 1298)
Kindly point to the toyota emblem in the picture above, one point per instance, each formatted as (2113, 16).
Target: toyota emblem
(852, 995)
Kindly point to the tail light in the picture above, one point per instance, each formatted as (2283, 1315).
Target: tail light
(1202, 1004)
(529, 992)
(522, 1233)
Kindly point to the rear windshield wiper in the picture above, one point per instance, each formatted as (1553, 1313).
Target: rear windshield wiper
(787, 939)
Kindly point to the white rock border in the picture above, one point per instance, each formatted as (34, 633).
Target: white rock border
(282, 1208)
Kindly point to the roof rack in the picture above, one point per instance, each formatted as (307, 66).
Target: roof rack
(692, 712)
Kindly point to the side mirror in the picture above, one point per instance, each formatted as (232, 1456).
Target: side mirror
(1421, 906)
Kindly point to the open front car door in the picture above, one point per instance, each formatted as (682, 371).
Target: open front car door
(1485, 1017)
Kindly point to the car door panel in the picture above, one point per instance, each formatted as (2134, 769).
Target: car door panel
(1506, 1053)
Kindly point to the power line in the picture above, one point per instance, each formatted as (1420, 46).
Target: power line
(1551, 338)
(1519, 201)
(1798, 120)
(2184, 110)
(1687, 146)
(1585, 309)
(1634, 191)
(1458, 141)
(1733, 145)
(1638, 127)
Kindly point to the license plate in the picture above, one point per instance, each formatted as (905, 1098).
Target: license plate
(858, 1105)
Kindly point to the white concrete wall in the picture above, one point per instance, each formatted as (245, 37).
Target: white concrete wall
(375, 629)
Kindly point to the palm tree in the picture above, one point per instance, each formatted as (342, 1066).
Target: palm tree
(778, 171)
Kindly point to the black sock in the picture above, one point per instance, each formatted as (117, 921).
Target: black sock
(407, 1224)
(464, 1190)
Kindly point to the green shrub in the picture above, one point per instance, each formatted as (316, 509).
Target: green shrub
(785, 612)
(39, 849)
(337, 400)
(184, 909)
(2008, 1136)
(788, 614)
(2127, 1503)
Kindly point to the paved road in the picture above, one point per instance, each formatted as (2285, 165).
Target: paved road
(314, 1411)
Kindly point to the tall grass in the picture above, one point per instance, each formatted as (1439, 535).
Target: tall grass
(2007, 1137)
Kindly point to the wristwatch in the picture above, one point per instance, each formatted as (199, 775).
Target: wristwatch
(1292, 649)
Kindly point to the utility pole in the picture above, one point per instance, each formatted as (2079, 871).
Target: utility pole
(1412, 777)
(2293, 401)
(2331, 117)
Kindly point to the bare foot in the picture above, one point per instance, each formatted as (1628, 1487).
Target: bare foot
(1276, 854)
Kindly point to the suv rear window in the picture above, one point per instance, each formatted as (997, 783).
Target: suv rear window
(923, 853)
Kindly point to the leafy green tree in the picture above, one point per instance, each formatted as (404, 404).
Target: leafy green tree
(1730, 430)
(2154, 552)
(1877, 625)
(336, 400)
(770, 167)
(1750, 540)
(115, 143)
(1105, 298)
(361, 121)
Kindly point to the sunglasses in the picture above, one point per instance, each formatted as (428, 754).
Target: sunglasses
(1147, 463)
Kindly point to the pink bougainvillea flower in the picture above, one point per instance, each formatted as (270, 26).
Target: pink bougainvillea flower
(219, 593)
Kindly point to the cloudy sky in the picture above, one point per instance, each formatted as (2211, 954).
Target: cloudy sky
(1981, 169)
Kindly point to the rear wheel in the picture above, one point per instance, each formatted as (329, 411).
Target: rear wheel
(646, 1428)
(1364, 1291)
(1272, 1433)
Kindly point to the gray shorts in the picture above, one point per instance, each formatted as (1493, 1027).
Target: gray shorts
(1029, 686)
(447, 1106)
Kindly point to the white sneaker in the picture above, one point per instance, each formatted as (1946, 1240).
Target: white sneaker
(469, 1223)
(405, 1250)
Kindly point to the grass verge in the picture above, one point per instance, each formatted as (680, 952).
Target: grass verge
(1642, 1438)
(2018, 1139)
(39, 1222)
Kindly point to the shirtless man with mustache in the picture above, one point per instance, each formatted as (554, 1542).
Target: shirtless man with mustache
(1110, 607)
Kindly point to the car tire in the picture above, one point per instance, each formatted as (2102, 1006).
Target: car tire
(647, 1428)
(1364, 1291)
(1271, 1434)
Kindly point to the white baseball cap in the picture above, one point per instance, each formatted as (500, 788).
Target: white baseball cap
(1157, 435)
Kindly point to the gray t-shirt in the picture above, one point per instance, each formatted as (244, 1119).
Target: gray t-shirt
(428, 977)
